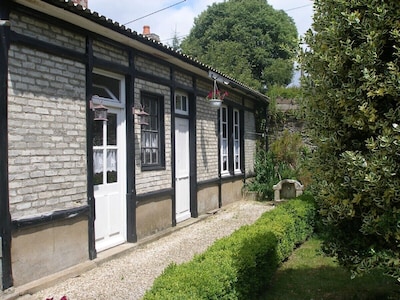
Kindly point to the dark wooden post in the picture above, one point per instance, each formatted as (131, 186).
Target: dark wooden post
(5, 218)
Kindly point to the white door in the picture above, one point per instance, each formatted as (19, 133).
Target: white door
(182, 176)
(109, 180)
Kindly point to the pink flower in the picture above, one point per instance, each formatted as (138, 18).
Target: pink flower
(217, 95)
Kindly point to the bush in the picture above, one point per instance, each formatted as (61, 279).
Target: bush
(287, 159)
(269, 171)
(241, 265)
(352, 62)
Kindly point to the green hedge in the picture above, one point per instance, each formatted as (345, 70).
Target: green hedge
(241, 265)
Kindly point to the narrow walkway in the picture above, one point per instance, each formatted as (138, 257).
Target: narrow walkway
(129, 275)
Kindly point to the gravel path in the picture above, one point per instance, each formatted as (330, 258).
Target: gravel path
(129, 276)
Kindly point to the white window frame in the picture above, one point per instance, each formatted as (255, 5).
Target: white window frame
(117, 101)
(182, 98)
(224, 141)
(236, 141)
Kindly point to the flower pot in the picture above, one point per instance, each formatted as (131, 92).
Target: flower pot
(215, 102)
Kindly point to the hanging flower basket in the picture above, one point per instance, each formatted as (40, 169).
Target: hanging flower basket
(216, 97)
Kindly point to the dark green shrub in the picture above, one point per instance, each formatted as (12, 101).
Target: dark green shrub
(352, 62)
(241, 265)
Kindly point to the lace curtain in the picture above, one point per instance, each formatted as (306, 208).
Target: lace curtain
(98, 162)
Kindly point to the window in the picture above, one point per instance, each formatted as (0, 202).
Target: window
(106, 88)
(181, 104)
(230, 141)
(152, 143)
(105, 150)
(224, 140)
(236, 141)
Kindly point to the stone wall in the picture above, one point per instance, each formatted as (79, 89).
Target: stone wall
(250, 137)
(110, 53)
(151, 67)
(47, 133)
(47, 32)
(289, 108)
(207, 140)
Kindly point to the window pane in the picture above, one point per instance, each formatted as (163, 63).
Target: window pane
(106, 87)
(154, 140)
(224, 146)
(147, 143)
(153, 108)
(225, 164)
(111, 166)
(154, 123)
(236, 147)
(98, 166)
(224, 114)
(147, 157)
(184, 103)
(178, 102)
(112, 129)
(98, 133)
(224, 131)
(154, 158)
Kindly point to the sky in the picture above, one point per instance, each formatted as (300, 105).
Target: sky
(169, 17)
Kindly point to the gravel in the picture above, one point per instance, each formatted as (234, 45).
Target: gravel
(130, 275)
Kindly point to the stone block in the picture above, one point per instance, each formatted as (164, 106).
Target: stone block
(287, 189)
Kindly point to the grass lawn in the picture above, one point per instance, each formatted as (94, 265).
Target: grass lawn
(308, 274)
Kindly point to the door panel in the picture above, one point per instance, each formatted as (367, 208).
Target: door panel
(182, 171)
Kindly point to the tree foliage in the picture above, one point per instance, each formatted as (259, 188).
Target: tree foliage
(353, 90)
(246, 39)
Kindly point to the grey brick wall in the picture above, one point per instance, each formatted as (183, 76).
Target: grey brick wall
(207, 140)
(249, 141)
(47, 133)
(184, 79)
(149, 181)
(151, 67)
(110, 53)
(46, 32)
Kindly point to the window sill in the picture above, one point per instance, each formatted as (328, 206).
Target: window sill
(152, 168)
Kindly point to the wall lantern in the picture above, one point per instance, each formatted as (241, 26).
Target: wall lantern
(100, 111)
(143, 116)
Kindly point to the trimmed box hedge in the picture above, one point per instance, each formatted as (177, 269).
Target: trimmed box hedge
(241, 265)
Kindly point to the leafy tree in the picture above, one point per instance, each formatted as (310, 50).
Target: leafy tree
(353, 88)
(247, 39)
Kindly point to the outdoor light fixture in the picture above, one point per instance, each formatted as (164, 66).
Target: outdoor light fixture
(143, 116)
(100, 111)
(219, 78)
